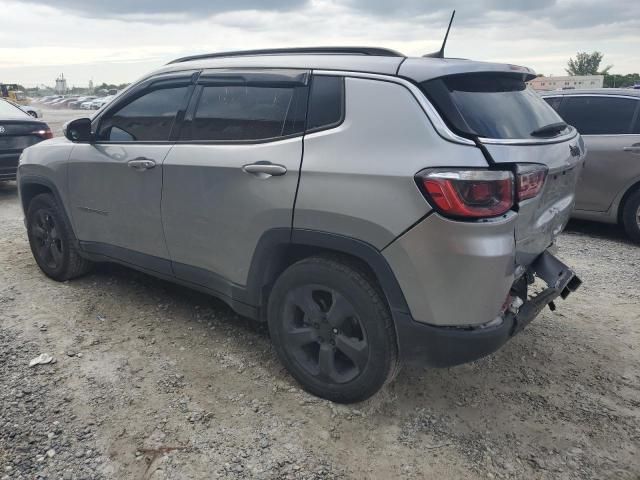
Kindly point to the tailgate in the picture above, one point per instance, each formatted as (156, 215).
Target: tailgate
(542, 218)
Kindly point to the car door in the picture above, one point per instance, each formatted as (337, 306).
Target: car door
(606, 124)
(233, 175)
(115, 182)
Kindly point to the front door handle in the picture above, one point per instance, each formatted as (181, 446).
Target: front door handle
(141, 163)
(265, 169)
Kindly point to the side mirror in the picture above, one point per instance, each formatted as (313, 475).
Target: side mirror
(78, 130)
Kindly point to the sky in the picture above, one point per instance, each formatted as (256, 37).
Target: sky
(117, 41)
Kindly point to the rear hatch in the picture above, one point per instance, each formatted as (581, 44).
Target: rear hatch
(517, 130)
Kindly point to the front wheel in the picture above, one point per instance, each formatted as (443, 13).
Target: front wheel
(332, 329)
(631, 216)
(52, 241)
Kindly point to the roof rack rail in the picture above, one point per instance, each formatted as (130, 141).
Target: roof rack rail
(374, 51)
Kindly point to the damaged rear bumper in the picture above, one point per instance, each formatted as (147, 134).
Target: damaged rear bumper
(448, 346)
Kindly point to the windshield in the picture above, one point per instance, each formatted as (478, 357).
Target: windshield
(492, 105)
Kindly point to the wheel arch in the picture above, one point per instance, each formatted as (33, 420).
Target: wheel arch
(32, 185)
(279, 248)
(625, 196)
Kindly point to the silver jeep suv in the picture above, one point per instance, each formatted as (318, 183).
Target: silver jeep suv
(373, 209)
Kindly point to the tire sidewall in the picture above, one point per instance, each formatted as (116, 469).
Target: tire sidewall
(381, 356)
(629, 218)
(47, 202)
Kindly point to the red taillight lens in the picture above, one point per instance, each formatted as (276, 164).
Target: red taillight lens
(530, 180)
(469, 193)
(44, 133)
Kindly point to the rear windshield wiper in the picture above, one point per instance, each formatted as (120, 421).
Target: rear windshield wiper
(549, 130)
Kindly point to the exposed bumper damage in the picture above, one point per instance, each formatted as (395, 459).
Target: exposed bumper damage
(448, 346)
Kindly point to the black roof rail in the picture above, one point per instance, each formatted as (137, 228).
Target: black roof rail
(374, 51)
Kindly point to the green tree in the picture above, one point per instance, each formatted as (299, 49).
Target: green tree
(587, 64)
(622, 81)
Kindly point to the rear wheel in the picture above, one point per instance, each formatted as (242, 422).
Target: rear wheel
(332, 329)
(631, 216)
(52, 241)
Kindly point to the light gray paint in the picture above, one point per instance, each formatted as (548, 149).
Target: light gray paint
(542, 218)
(113, 203)
(214, 213)
(455, 273)
(421, 69)
(358, 179)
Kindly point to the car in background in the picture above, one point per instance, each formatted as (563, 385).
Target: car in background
(64, 104)
(80, 100)
(53, 102)
(609, 121)
(33, 111)
(18, 131)
(48, 98)
(98, 103)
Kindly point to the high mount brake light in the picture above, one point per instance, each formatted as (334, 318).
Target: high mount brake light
(530, 180)
(469, 193)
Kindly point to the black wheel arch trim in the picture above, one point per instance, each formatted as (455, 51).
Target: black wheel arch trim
(29, 180)
(271, 258)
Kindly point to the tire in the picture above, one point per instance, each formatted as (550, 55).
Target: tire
(631, 216)
(332, 329)
(52, 241)
(33, 114)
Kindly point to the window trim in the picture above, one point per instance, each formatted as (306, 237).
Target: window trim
(156, 82)
(206, 79)
(634, 119)
(343, 105)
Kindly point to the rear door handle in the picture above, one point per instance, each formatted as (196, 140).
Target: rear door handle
(141, 163)
(266, 169)
(635, 148)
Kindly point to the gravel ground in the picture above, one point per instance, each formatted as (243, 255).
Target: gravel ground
(153, 381)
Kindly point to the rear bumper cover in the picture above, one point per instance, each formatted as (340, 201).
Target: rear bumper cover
(9, 165)
(448, 346)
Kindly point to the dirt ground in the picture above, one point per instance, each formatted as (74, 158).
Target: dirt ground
(153, 381)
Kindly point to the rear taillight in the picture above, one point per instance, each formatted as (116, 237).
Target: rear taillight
(468, 193)
(44, 133)
(530, 180)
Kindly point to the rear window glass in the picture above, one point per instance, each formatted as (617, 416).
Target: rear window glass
(599, 115)
(490, 105)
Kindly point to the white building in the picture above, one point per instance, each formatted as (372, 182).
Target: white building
(569, 82)
(61, 85)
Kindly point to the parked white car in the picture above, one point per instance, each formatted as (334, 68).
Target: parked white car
(100, 102)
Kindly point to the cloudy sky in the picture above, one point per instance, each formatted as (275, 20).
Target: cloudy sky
(118, 40)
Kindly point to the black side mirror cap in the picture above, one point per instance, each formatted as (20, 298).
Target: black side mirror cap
(78, 131)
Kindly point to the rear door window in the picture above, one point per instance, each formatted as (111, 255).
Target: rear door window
(239, 112)
(593, 115)
(490, 105)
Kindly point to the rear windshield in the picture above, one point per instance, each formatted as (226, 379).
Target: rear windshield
(491, 105)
